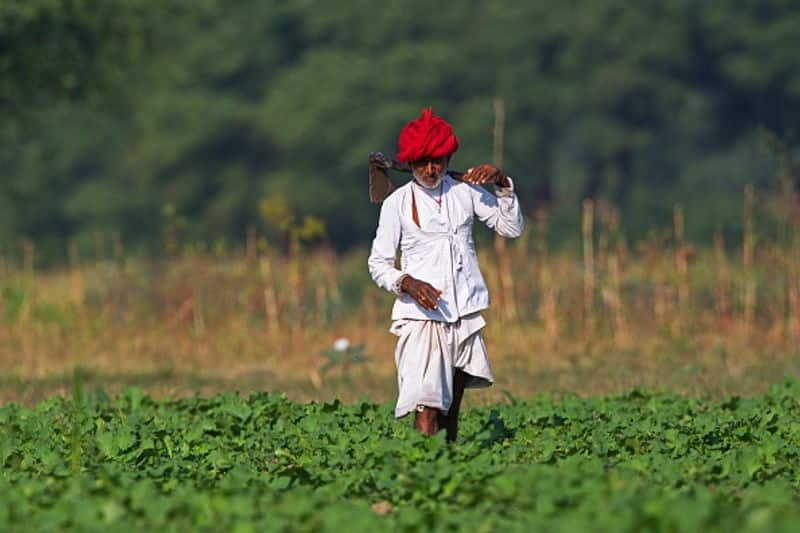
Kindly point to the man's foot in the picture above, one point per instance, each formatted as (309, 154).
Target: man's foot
(427, 421)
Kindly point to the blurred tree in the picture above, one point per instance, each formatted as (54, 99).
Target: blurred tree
(111, 111)
(56, 50)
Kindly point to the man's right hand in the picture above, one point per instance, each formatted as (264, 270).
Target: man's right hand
(422, 292)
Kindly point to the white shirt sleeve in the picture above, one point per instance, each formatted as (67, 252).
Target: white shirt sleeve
(384, 248)
(499, 211)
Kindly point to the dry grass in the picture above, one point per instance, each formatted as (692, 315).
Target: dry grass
(658, 314)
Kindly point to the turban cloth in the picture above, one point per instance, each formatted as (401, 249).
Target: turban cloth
(428, 136)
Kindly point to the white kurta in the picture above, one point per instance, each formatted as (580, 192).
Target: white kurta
(442, 251)
(432, 344)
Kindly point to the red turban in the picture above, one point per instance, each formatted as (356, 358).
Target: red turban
(427, 136)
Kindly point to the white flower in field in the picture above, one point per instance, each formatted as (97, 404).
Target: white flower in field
(341, 344)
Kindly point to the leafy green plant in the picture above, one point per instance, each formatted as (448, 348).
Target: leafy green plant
(639, 461)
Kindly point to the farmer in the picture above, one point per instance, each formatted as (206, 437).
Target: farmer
(439, 287)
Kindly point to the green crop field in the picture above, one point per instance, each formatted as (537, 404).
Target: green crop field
(639, 461)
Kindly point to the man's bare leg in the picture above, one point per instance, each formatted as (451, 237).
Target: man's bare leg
(449, 421)
(426, 421)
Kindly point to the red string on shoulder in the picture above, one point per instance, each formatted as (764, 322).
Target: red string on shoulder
(414, 212)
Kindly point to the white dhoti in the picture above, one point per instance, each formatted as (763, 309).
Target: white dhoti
(427, 354)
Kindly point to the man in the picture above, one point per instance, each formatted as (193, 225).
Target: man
(439, 287)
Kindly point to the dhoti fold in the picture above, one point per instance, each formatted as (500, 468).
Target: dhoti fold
(427, 354)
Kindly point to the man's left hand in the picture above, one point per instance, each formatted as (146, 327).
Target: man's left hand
(486, 173)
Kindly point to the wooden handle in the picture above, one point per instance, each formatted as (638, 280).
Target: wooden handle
(380, 186)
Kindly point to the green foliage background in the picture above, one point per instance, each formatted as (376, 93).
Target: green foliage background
(112, 111)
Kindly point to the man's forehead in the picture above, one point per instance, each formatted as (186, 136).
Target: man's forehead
(426, 160)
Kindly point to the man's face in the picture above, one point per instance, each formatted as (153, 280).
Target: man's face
(429, 171)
